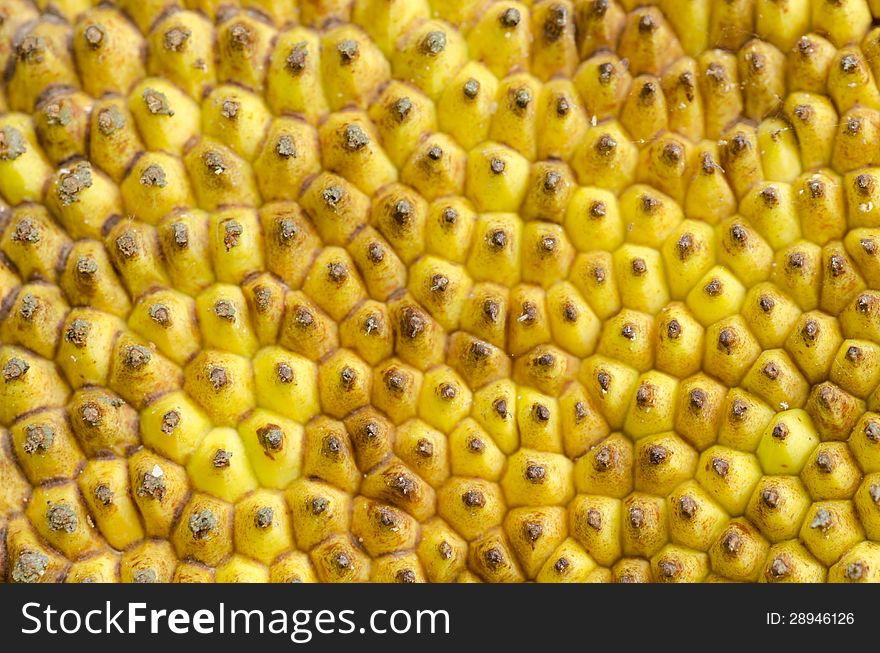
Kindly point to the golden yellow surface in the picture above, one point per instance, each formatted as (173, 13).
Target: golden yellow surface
(439, 290)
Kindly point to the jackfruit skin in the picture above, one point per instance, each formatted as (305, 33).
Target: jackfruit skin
(440, 291)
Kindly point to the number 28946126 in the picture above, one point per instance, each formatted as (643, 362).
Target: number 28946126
(808, 618)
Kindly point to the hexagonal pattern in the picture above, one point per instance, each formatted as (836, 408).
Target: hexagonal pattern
(431, 290)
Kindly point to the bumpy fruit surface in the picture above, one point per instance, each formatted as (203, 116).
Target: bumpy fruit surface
(433, 290)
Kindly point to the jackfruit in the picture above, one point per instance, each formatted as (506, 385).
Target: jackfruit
(440, 290)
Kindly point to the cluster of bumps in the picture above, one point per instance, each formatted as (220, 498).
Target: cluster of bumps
(445, 290)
